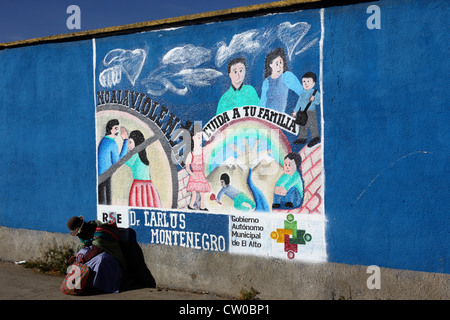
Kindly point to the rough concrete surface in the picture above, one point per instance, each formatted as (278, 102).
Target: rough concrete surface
(20, 283)
(162, 22)
(225, 275)
(27, 292)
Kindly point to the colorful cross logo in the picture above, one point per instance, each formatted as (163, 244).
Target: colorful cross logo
(284, 236)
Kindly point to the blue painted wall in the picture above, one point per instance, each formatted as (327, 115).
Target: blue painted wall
(46, 103)
(386, 130)
(386, 125)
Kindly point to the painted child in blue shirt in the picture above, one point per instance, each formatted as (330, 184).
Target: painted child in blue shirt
(309, 94)
(241, 201)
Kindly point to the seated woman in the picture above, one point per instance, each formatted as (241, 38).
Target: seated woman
(100, 250)
(288, 192)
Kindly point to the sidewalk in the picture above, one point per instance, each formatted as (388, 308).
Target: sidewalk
(20, 283)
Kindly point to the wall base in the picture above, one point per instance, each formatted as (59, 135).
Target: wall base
(227, 274)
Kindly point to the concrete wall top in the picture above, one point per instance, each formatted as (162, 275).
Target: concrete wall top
(186, 19)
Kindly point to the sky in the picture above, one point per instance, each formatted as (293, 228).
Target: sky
(27, 19)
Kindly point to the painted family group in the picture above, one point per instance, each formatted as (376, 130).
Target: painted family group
(278, 80)
(288, 192)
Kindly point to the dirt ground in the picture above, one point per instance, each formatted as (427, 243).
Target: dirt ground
(20, 283)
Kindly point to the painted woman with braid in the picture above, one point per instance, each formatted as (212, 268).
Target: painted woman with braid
(142, 193)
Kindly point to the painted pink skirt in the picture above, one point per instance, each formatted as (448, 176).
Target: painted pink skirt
(199, 184)
(144, 194)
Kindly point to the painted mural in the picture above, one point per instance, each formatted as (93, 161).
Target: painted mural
(210, 136)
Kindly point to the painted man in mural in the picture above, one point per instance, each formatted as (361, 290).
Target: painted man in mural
(108, 154)
(238, 95)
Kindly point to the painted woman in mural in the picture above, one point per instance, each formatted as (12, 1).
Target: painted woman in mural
(142, 193)
(195, 167)
(278, 80)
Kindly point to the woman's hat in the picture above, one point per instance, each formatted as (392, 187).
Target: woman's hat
(75, 224)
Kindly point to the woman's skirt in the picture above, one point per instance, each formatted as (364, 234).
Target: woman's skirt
(144, 194)
(106, 273)
(199, 184)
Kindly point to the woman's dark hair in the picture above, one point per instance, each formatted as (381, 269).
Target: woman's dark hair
(278, 52)
(138, 138)
(196, 128)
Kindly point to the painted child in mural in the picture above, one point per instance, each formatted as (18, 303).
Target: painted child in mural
(312, 95)
(288, 192)
(197, 183)
(278, 80)
(142, 193)
(239, 94)
(241, 201)
(108, 154)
